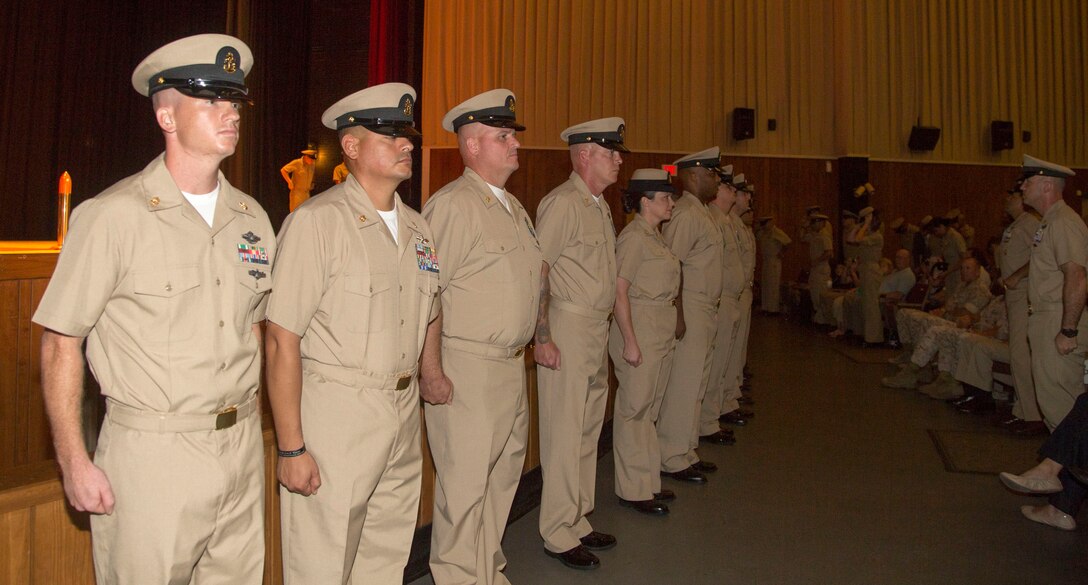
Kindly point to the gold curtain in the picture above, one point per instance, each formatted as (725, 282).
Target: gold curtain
(840, 77)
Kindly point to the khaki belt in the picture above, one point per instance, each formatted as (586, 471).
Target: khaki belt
(361, 379)
(580, 310)
(668, 303)
(483, 349)
(171, 422)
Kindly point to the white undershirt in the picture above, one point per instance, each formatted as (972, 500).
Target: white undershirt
(390, 219)
(597, 200)
(500, 194)
(204, 204)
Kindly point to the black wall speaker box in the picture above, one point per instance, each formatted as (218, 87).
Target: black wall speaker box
(744, 123)
(1025, 136)
(923, 138)
(1001, 135)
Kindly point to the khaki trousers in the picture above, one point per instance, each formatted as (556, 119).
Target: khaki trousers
(189, 506)
(572, 403)
(771, 285)
(1059, 379)
(977, 355)
(638, 399)
(725, 337)
(680, 406)
(1027, 404)
(358, 527)
(478, 443)
(869, 296)
(738, 355)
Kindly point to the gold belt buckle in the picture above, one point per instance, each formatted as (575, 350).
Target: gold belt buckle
(519, 352)
(226, 419)
(403, 382)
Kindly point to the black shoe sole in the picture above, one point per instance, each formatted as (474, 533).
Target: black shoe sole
(628, 504)
(559, 557)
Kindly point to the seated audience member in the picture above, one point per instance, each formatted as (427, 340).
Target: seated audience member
(963, 303)
(1060, 475)
(943, 342)
(844, 292)
(893, 288)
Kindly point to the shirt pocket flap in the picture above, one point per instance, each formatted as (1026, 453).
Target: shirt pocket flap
(166, 283)
(500, 246)
(367, 284)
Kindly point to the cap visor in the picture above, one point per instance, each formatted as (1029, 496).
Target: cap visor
(497, 123)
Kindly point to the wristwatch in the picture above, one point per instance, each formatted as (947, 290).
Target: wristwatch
(1070, 333)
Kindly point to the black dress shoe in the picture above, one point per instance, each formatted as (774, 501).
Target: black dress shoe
(665, 496)
(576, 558)
(719, 438)
(704, 467)
(1007, 419)
(745, 412)
(978, 405)
(746, 401)
(648, 507)
(1079, 473)
(1029, 429)
(733, 418)
(960, 400)
(688, 474)
(598, 541)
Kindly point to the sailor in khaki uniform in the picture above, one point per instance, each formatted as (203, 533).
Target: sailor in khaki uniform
(473, 370)
(729, 316)
(166, 273)
(1057, 326)
(1016, 243)
(299, 175)
(358, 277)
(642, 339)
(772, 240)
(870, 241)
(578, 240)
(694, 237)
(738, 354)
(820, 249)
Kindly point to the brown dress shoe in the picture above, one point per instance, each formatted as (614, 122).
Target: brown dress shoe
(688, 474)
(598, 541)
(576, 558)
(648, 507)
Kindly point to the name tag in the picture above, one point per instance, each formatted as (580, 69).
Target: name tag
(426, 258)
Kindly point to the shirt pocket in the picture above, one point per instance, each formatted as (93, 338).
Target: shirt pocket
(170, 301)
(370, 300)
(500, 254)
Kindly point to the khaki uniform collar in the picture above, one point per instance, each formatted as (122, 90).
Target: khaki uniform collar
(583, 189)
(162, 193)
(1054, 209)
(366, 215)
(483, 191)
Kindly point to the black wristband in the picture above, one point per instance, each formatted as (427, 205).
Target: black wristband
(294, 453)
(1070, 333)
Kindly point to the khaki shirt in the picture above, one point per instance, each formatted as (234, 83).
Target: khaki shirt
(578, 240)
(491, 264)
(1016, 244)
(871, 247)
(953, 247)
(167, 303)
(1060, 238)
(733, 275)
(302, 175)
(357, 299)
(694, 237)
(647, 263)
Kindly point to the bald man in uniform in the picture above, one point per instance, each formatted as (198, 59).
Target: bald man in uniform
(578, 291)
(165, 274)
(473, 368)
(695, 238)
(358, 276)
(1057, 325)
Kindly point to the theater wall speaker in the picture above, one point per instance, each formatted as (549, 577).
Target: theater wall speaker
(923, 138)
(744, 123)
(1001, 135)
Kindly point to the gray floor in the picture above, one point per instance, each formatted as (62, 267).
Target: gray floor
(835, 481)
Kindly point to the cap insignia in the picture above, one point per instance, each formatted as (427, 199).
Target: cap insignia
(510, 103)
(407, 106)
(623, 131)
(229, 64)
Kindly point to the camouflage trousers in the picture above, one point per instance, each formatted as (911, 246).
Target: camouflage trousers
(940, 340)
(912, 323)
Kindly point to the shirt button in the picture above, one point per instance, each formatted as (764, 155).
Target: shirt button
(223, 366)
(400, 288)
(217, 283)
(220, 323)
(402, 321)
(402, 356)
(168, 287)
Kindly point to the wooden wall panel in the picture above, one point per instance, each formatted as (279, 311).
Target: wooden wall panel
(61, 545)
(14, 546)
